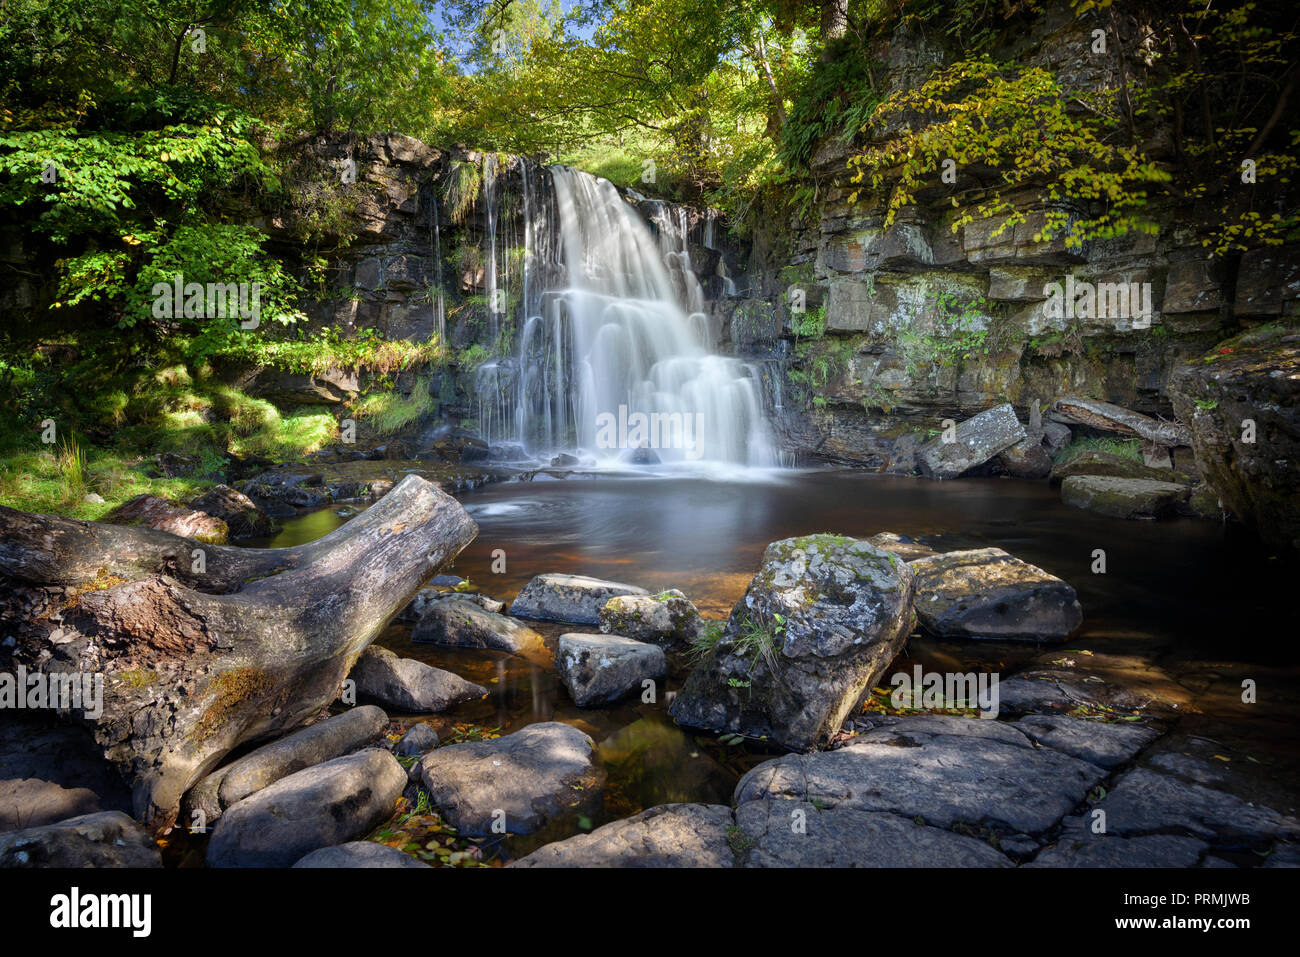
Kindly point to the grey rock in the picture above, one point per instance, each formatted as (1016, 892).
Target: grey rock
(601, 669)
(1123, 498)
(977, 440)
(670, 835)
(1098, 742)
(360, 854)
(320, 742)
(418, 739)
(944, 779)
(573, 598)
(908, 549)
(668, 618)
(328, 804)
(531, 776)
(798, 834)
(409, 685)
(1081, 848)
(461, 622)
(818, 624)
(987, 593)
(103, 839)
(1143, 801)
(240, 513)
(1027, 459)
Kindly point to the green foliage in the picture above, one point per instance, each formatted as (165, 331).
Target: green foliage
(389, 411)
(834, 101)
(1130, 449)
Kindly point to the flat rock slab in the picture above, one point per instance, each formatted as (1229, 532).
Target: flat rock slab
(975, 441)
(1145, 801)
(328, 804)
(574, 598)
(105, 839)
(321, 742)
(944, 779)
(988, 593)
(670, 835)
(1109, 465)
(409, 685)
(1123, 498)
(1101, 743)
(668, 618)
(460, 622)
(360, 854)
(1124, 684)
(601, 669)
(531, 776)
(1081, 848)
(780, 833)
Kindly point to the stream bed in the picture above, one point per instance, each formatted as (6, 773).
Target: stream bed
(1186, 598)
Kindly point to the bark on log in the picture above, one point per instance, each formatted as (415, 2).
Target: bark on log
(188, 674)
(52, 550)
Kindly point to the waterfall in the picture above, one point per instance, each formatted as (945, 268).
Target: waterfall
(613, 361)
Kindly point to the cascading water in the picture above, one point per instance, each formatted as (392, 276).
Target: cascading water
(614, 360)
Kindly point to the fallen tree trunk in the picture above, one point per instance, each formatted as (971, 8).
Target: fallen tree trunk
(190, 674)
(52, 550)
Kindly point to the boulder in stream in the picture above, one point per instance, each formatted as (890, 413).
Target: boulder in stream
(315, 744)
(600, 669)
(1123, 497)
(974, 442)
(459, 621)
(405, 684)
(668, 618)
(242, 515)
(987, 593)
(517, 782)
(818, 624)
(571, 598)
(360, 854)
(328, 804)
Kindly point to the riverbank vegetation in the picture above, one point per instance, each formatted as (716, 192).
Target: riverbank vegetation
(141, 140)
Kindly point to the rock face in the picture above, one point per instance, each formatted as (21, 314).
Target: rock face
(156, 513)
(976, 441)
(601, 669)
(946, 771)
(669, 618)
(525, 779)
(105, 839)
(671, 835)
(323, 741)
(1254, 378)
(240, 513)
(573, 598)
(1123, 498)
(360, 854)
(464, 623)
(1107, 417)
(987, 593)
(409, 685)
(325, 805)
(824, 616)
